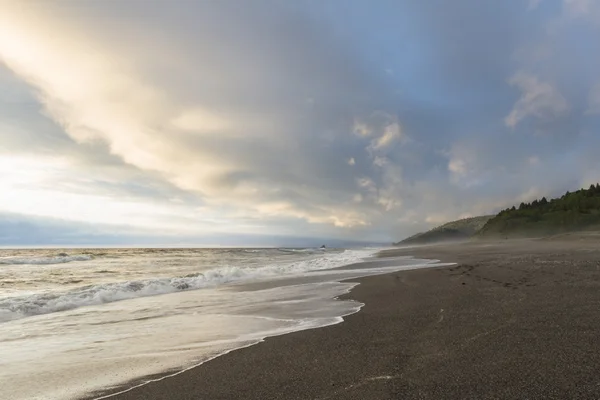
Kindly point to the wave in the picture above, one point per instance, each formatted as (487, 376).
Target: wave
(12, 308)
(311, 250)
(58, 259)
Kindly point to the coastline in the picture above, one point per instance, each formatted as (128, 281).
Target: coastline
(513, 319)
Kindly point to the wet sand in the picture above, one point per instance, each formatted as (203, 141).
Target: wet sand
(512, 320)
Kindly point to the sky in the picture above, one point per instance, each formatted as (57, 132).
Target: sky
(288, 122)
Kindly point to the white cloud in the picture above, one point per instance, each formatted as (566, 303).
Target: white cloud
(457, 166)
(462, 162)
(467, 164)
(384, 129)
(389, 202)
(200, 121)
(391, 133)
(27, 187)
(380, 161)
(199, 127)
(385, 134)
(463, 173)
(538, 99)
(361, 128)
(94, 96)
(367, 183)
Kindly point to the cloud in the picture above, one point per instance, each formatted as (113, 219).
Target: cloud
(362, 129)
(26, 230)
(391, 133)
(457, 166)
(466, 168)
(384, 131)
(538, 99)
(220, 117)
(189, 136)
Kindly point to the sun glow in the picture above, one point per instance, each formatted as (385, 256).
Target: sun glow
(35, 186)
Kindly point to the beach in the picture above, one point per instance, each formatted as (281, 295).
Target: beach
(511, 320)
(90, 320)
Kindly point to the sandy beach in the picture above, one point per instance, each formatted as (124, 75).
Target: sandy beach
(511, 320)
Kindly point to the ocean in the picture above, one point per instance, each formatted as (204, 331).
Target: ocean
(74, 322)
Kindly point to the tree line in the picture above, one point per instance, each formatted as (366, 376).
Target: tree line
(572, 211)
(583, 200)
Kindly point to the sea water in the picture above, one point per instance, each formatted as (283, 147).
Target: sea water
(77, 322)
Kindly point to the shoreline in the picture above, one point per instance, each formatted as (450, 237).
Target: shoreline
(513, 319)
(375, 261)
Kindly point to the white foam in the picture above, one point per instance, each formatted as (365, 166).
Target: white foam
(309, 250)
(77, 352)
(12, 308)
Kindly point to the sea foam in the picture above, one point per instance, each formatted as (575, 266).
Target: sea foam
(16, 307)
(81, 351)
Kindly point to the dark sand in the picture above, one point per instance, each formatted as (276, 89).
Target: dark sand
(513, 320)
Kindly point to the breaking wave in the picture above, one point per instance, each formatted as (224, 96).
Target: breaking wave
(17, 307)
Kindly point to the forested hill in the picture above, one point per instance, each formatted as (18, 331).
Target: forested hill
(575, 211)
(452, 231)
